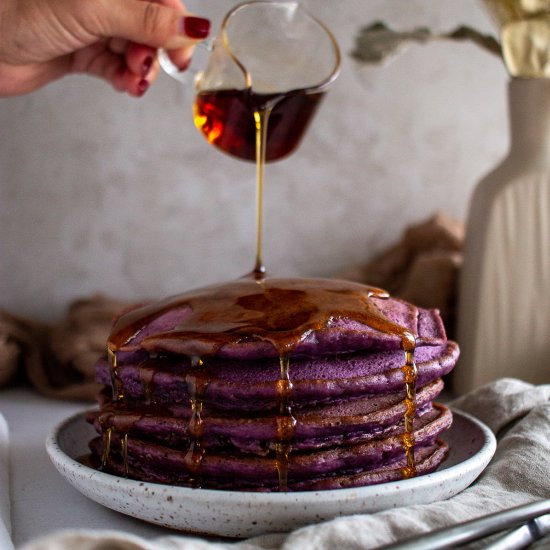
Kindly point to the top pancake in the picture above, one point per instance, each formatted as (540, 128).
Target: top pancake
(249, 319)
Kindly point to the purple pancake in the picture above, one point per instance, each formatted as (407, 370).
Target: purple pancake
(274, 384)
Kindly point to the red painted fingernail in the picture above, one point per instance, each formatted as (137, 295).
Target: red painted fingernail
(195, 27)
(146, 66)
(142, 87)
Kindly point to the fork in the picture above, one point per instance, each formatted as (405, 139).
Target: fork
(533, 520)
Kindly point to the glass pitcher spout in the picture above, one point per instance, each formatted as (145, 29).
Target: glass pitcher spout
(293, 51)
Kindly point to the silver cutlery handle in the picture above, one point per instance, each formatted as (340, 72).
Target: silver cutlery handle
(523, 536)
(475, 529)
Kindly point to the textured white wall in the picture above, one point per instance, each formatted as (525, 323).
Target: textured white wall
(101, 192)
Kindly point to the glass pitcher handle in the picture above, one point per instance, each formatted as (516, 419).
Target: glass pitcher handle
(200, 55)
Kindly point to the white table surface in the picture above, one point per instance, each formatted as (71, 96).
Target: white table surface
(41, 500)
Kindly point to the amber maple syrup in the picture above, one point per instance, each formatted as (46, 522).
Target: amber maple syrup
(226, 118)
(196, 388)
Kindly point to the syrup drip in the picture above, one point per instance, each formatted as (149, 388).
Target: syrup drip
(116, 382)
(286, 423)
(106, 448)
(124, 453)
(196, 387)
(146, 375)
(409, 371)
(118, 396)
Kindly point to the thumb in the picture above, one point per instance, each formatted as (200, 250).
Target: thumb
(152, 24)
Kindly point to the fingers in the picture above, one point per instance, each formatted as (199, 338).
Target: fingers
(152, 24)
(101, 61)
(142, 69)
(180, 57)
(125, 81)
(140, 59)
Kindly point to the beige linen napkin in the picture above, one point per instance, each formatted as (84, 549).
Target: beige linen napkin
(518, 413)
(5, 518)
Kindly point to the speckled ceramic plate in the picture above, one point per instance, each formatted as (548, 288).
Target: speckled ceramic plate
(244, 514)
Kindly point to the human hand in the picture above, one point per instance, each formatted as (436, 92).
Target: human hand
(43, 40)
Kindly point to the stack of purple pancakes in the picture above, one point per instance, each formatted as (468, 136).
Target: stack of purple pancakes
(268, 384)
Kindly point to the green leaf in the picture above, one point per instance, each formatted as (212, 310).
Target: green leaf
(375, 43)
